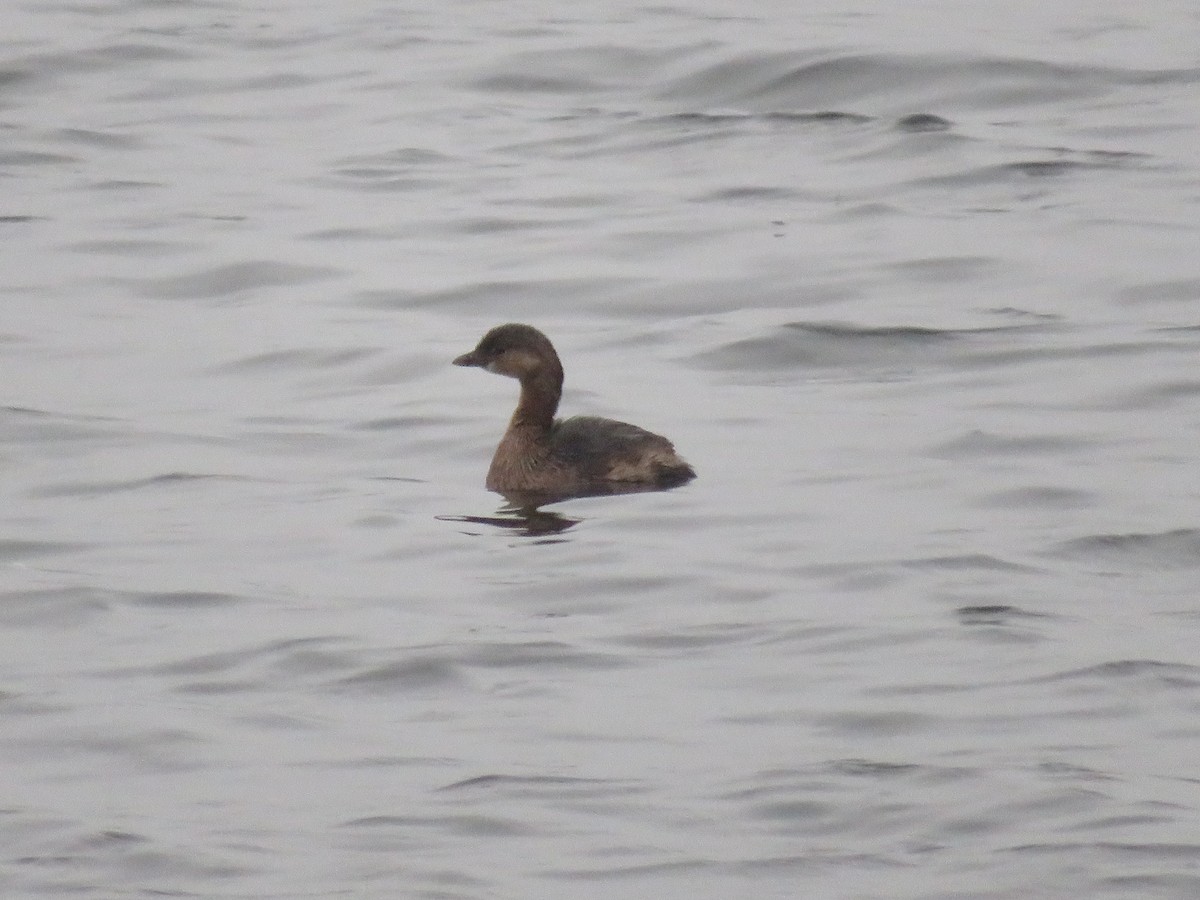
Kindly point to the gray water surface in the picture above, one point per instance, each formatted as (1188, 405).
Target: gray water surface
(915, 287)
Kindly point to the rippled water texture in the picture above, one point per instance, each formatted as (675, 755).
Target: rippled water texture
(915, 287)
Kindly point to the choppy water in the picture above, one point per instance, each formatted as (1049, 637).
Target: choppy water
(915, 287)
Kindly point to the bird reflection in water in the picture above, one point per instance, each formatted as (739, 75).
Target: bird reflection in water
(527, 521)
(524, 515)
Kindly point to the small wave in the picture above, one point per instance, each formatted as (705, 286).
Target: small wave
(995, 614)
(1021, 171)
(379, 179)
(542, 786)
(34, 426)
(504, 225)
(291, 658)
(1179, 548)
(987, 444)
(635, 133)
(1169, 673)
(35, 158)
(514, 297)
(799, 118)
(860, 768)
(472, 825)
(402, 423)
(1160, 395)
(95, 488)
(12, 77)
(528, 83)
(822, 345)
(121, 184)
(108, 140)
(636, 872)
(747, 193)
(131, 247)
(1149, 856)
(693, 639)
(1044, 497)
(418, 672)
(304, 359)
(184, 599)
(41, 70)
(174, 89)
(13, 550)
(923, 122)
(1184, 290)
(822, 80)
(59, 607)
(967, 562)
(883, 723)
(540, 654)
(235, 278)
(577, 70)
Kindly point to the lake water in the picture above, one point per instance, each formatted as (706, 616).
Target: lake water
(915, 287)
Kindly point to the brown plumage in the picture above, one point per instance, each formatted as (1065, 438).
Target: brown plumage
(582, 454)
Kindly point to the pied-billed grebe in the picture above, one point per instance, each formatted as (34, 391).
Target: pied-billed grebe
(580, 454)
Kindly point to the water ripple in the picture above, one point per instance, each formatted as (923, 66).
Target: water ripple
(1178, 548)
(234, 278)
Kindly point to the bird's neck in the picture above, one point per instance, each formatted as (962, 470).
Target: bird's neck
(538, 403)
